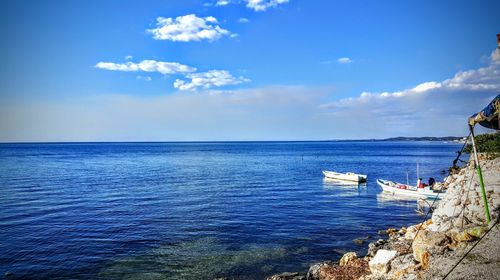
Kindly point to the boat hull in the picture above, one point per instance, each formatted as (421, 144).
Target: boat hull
(408, 191)
(351, 177)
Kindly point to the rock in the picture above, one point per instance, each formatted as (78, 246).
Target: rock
(459, 222)
(430, 242)
(287, 276)
(355, 269)
(392, 231)
(380, 264)
(447, 180)
(477, 232)
(402, 231)
(372, 249)
(380, 242)
(443, 227)
(348, 258)
(315, 272)
(462, 237)
(410, 232)
(401, 266)
(424, 260)
(402, 246)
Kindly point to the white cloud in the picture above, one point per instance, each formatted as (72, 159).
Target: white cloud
(212, 78)
(222, 3)
(205, 80)
(243, 20)
(188, 28)
(436, 108)
(344, 60)
(430, 108)
(129, 57)
(147, 66)
(262, 5)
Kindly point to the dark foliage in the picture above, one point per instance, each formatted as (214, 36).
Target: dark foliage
(487, 143)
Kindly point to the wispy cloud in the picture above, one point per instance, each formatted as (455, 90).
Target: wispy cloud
(144, 78)
(209, 79)
(188, 28)
(344, 60)
(147, 66)
(262, 5)
(243, 20)
(222, 3)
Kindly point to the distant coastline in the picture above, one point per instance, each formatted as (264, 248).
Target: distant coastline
(427, 138)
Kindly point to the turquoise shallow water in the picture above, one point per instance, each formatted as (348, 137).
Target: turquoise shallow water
(196, 210)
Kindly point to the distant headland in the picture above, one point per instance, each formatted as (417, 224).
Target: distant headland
(427, 138)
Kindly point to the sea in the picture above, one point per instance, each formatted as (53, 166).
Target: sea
(196, 210)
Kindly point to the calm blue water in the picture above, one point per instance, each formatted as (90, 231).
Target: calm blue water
(196, 210)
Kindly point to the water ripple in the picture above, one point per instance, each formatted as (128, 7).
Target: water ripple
(195, 210)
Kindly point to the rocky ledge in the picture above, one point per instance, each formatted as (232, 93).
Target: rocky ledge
(430, 250)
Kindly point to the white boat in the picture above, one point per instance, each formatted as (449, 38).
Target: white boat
(409, 191)
(349, 176)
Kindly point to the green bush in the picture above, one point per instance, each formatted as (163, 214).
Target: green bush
(487, 143)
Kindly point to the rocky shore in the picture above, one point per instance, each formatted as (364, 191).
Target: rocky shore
(431, 249)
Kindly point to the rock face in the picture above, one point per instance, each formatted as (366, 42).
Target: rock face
(463, 205)
(380, 264)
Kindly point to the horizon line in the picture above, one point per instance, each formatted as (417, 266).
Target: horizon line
(223, 141)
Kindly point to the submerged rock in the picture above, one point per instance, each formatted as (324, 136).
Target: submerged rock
(358, 241)
(287, 276)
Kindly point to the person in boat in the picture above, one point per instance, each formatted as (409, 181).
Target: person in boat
(420, 184)
(431, 182)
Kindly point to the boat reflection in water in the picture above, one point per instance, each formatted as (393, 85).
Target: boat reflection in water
(385, 198)
(344, 188)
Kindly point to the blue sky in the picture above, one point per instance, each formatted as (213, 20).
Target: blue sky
(243, 69)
